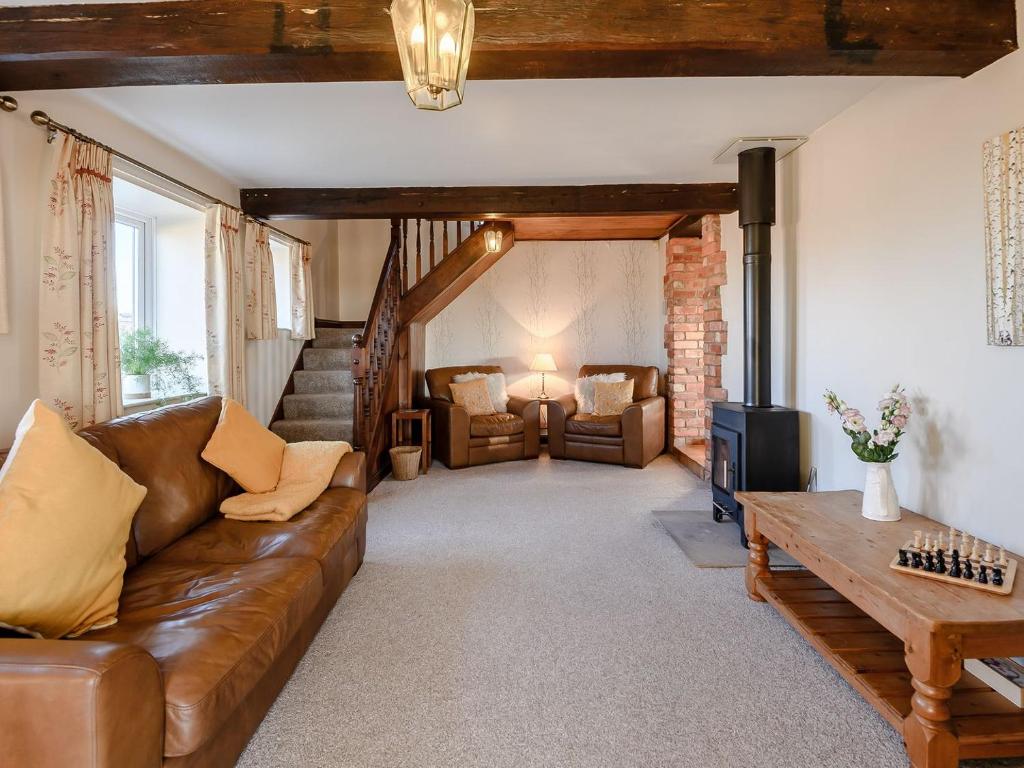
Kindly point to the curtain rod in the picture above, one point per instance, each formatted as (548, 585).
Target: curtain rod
(42, 119)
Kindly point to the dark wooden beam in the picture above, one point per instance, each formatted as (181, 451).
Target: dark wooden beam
(489, 202)
(253, 41)
(687, 226)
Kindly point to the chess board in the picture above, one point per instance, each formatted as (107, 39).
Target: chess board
(916, 555)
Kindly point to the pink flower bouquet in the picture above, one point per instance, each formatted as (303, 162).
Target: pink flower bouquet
(876, 446)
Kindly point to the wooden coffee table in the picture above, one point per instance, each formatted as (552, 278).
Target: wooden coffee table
(899, 640)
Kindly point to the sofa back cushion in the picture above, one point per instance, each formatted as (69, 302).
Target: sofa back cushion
(438, 379)
(645, 377)
(161, 450)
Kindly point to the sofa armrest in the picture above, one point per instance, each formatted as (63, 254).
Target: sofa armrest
(643, 431)
(559, 410)
(450, 428)
(75, 702)
(350, 472)
(529, 410)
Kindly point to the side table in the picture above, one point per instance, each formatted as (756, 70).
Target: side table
(401, 431)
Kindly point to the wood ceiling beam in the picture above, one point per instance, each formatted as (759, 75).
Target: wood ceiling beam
(255, 41)
(687, 226)
(489, 202)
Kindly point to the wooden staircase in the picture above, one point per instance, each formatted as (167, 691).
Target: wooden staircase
(420, 277)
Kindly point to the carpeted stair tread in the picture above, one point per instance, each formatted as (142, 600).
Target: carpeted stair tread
(318, 382)
(327, 405)
(299, 430)
(334, 338)
(314, 359)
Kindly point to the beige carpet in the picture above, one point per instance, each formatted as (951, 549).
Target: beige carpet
(533, 614)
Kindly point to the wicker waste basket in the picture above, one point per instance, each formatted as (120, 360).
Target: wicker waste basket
(405, 462)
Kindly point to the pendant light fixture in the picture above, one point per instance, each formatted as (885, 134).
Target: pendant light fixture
(492, 240)
(434, 41)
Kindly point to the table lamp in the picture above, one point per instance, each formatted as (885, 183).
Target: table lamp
(544, 363)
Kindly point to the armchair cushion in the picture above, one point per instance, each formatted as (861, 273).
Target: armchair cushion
(589, 424)
(474, 396)
(495, 425)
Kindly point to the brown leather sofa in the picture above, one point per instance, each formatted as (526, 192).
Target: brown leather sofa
(634, 439)
(461, 441)
(214, 614)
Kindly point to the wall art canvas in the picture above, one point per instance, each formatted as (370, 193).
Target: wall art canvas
(1004, 237)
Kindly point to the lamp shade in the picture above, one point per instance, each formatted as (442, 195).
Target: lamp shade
(544, 362)
(434, 40)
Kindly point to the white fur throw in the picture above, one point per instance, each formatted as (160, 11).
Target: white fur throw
(495, 387)
(585, 389)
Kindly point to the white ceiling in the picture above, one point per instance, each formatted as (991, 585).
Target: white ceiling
(507, 132)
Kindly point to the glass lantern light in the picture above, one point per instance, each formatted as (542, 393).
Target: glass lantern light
(492, 239)
(434, 41)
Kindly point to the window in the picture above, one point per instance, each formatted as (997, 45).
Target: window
(159, 242)
(133, 251)
(281, 253)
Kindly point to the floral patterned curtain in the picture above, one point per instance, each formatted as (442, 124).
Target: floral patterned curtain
(225, 303)
(302, 291)
(79, 352)
(260, 298)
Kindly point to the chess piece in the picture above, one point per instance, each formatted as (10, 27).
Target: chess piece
(904, 561)
(939, 543)
(988, 553)
(917, 540)
(964, 541)
(997, 577)
(975, 553)
(983, 574)
(1003, 562)
(929, 562)
(927, 543)
(952, 537)
(940, 561)
(915, 560)
(954, 565)
(968, 570)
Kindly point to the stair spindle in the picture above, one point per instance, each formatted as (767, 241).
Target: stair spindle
(444, 241)
(419, 252)
(405, 254)
(432, 262)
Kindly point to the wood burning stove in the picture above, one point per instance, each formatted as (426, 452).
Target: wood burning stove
(755, 446)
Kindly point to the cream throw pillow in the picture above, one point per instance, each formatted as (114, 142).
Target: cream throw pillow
(611, 398)
(245, 449)
(474, 396)
(495, 386)
(306, 471)
(585, 389)
(65, 515)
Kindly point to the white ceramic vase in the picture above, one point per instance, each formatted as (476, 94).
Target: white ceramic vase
(880, 500)
(136, 387)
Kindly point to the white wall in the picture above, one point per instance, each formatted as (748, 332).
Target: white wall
(887, 247)
(346, 278)
(533, 299)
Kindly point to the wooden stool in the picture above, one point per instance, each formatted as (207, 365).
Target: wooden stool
(406, 418)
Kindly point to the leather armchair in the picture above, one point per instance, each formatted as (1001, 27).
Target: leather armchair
(58, 697)
(633, 439)
(459, 440)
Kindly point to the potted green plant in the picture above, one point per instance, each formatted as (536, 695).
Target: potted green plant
(149, 364)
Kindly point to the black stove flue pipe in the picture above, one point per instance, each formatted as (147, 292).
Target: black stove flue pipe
(757, 216)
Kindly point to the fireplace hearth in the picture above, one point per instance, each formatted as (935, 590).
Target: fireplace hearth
(755, 445)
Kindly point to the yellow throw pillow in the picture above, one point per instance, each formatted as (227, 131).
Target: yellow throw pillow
(611, 398)
(65, 515)
(473, 396)
(245, 449)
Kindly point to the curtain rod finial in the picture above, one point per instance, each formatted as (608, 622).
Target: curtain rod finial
(40, 118)
(8, 104)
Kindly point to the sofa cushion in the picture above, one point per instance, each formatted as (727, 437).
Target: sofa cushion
(245, 449)
(589, 424)
(160, 451)
(645, 377)
(439, 379)
(313, 533)
(496, 425)
(215, 630)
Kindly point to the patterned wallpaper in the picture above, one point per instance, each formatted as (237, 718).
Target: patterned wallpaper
(594, 302)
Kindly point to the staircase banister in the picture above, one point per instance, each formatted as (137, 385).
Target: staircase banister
(359, 340)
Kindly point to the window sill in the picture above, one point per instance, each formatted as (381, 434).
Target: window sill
(150, 403)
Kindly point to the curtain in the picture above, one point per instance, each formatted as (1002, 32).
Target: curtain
(225, 303)
(260, 298)
(301, 256)
(79, 351)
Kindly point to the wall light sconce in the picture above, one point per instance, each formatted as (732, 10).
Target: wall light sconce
(492, 240)
(434, 39)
